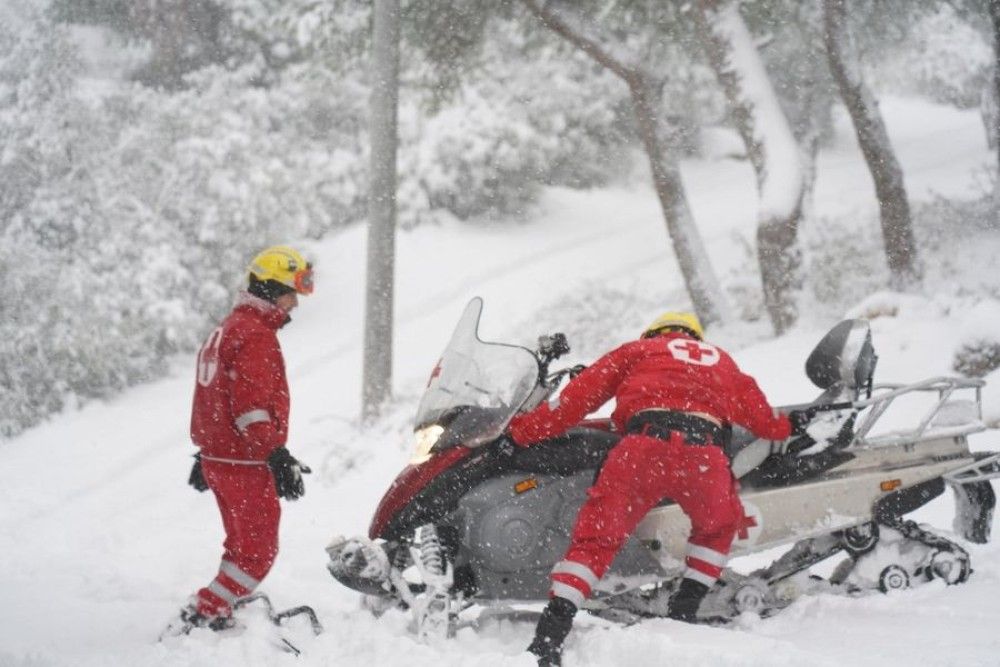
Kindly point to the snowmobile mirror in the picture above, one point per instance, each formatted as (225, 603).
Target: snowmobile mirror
(844, 356)
(552, 347)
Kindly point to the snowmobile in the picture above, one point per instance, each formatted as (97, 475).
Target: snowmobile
(473, 521)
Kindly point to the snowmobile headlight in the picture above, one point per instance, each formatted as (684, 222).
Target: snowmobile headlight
(426, 438)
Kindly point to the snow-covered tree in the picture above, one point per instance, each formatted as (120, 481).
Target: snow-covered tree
(183, 35)
(770, 146)
(897, 226)
(627, 57)
(993, 90)
(790, 43)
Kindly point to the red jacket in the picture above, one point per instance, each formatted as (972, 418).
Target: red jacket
(241, 403)
(673, 372)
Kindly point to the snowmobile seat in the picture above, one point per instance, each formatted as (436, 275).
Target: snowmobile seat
(580, 448)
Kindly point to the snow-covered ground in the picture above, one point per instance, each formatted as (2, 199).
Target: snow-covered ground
(101, 540)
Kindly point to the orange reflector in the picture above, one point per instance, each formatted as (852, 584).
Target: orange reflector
(526, 485)
(891, 484)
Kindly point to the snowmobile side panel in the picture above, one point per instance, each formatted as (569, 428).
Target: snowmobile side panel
(905, 500)
(790, 469)
(785, 514)
(517, 527)
(428, 491)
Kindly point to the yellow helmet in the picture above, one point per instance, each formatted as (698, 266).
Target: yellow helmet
(283, 265)
(687, 321)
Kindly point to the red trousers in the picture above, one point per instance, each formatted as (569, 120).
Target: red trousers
(250, 512)
(639, 472)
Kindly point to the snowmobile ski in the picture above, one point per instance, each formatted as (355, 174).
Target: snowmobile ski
(189, 621)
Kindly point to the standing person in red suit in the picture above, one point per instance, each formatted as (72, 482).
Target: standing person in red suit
(677, 397)
(239, 422)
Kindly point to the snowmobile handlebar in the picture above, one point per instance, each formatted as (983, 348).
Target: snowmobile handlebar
(553, 379)
(830, 407)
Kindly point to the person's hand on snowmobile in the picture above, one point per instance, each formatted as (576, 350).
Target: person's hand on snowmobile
(197, 478)
(505, 444)
(287, 471)
(801, 418)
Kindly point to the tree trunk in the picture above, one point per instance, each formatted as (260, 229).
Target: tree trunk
(994, 8)
(771, 148)
(688, 247)
(897, 228)
(702, 285)
(377, 370)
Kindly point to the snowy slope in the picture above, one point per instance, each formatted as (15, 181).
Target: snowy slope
(101, 541)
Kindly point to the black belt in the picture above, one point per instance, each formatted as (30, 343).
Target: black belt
(662, 423)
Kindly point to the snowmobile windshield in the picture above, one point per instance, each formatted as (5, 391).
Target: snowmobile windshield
(476, 387)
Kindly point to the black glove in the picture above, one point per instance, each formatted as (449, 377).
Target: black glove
(287, 473)
(196, 478)
(800, 419)
(505, 445)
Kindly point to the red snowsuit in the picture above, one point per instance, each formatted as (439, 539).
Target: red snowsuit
(671, 372)
(239, 416)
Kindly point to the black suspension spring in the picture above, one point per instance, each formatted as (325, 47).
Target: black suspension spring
(431, 554)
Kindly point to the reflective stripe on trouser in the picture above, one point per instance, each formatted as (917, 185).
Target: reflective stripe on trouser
(704, 565)
(250, 514)
(229, 585)
(638, 473)
(573, 581)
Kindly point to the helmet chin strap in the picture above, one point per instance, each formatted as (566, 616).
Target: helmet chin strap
(269, 290)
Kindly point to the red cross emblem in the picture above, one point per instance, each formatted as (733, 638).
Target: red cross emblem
(743, 528)
(434, 373)
(696, 351)
(693, 352)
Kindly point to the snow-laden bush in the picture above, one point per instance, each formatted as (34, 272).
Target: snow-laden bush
(80, 314)
(520, 118)
(497, 143)
(228, 167)
(978, 351)
(943, 58)
(958, 241)
(844, 263)
(124, 228)
(126, 221)
(977, 358)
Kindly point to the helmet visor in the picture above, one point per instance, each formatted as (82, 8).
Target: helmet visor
(304, 280)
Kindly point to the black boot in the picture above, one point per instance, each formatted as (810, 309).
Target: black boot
(190, 618)
(553, 626)
(684, 602)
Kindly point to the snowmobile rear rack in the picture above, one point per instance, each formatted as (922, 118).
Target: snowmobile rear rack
(945, 418)
(985, 468)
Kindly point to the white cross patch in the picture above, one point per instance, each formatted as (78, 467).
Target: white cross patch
(693, 352)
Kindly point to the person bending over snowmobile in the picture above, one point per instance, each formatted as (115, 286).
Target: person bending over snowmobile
(239, 421)
(677, 397)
